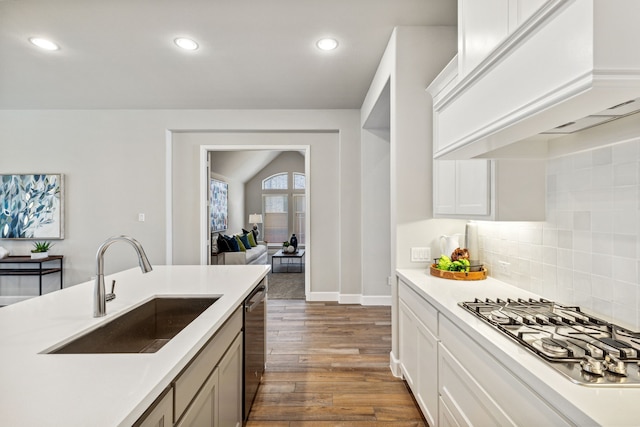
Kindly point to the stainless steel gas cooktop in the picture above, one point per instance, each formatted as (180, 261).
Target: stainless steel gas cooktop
(588, 350)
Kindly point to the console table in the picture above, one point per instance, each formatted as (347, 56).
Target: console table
(25, 266)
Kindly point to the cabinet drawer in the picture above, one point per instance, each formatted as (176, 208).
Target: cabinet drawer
(186, 386)
(423, 310)
(467, 402)
(515, 400)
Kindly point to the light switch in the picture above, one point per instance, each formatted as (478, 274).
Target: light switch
(420, 254)
(141, 217)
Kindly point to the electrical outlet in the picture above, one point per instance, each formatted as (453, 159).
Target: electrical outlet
(504, 267)
(420, 254)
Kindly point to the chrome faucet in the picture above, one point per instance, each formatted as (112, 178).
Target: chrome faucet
(99, 296)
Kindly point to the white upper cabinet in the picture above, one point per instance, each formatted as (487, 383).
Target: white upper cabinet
(527, 68)
(482, 25)
(497, 190)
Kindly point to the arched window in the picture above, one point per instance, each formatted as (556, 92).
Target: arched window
(283, 207)
(279, 181)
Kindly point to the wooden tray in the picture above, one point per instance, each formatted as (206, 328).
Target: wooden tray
(459, 275)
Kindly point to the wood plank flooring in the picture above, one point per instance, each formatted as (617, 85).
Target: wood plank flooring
(328, 366)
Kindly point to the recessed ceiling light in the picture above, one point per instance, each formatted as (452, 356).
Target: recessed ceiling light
(327, 44)
(44, 43)
(186, 43)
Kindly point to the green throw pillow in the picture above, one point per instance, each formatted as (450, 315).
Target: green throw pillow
(241, 245)
(251, 239)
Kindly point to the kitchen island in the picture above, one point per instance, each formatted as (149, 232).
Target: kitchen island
(478, 374)
(38, 389)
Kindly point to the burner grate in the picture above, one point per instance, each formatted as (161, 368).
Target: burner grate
(583, 347)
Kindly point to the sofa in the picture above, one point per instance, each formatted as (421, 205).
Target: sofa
(228, 251)
(255, 255)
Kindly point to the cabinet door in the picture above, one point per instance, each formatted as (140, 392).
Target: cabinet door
(472, 187)
(408, 344)
(203, 411)
(230, 386)
(462, 187)
(161, 415)
(444, 188)
(427, 375)
(418, 360)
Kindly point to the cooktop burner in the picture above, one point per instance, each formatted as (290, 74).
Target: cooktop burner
(586, 349)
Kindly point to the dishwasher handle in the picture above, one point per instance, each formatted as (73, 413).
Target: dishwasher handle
(255, 299)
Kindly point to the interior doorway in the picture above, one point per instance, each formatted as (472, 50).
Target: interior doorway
(286, 284)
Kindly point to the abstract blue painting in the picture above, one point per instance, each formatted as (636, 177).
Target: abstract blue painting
(218, 196)
(31, 206)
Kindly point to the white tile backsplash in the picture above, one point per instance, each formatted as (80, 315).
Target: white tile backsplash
(587, 252)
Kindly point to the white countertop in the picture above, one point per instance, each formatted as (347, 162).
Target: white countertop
(584, 405)
(39, 389)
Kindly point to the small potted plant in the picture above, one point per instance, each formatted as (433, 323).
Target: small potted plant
(285, 245)
(40, 250)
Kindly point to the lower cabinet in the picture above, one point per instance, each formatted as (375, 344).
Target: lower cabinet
(204, 410)
(419, 352)
(478, 390)
(208, 392)
(466, 401)
(455, 381)
(161, 412)
(219, 401)
(230, 385)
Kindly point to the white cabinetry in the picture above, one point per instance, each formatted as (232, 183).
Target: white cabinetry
(461, 187)
(482, 25)
(455, 381)
(419, 350)
(476, 387)
(520, 78)
(500, 190)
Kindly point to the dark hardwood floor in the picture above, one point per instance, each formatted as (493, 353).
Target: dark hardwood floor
(328, 366)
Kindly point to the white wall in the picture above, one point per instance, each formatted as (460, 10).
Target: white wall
(115, 164)
(413, 58)
(587, 252)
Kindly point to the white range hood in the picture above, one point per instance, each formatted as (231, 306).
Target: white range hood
(573, 65)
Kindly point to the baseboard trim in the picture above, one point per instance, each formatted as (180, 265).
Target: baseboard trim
(394, 364)
(350, 298)
(323, 296)
(376, 300)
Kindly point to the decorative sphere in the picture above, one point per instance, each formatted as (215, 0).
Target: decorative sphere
(291, 249)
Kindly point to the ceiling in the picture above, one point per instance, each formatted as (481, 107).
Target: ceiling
(119, 54)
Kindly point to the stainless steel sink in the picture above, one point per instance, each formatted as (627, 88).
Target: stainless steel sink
(145, 329)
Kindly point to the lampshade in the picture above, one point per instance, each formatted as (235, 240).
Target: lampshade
(255, 219)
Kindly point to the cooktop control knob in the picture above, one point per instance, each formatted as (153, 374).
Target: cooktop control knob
(591, 365)
(615, 365)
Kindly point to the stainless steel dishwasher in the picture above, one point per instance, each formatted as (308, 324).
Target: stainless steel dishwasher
(255, 320)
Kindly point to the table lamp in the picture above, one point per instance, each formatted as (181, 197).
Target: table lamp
(255, 219)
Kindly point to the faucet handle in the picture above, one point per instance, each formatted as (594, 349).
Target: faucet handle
(111, 295)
